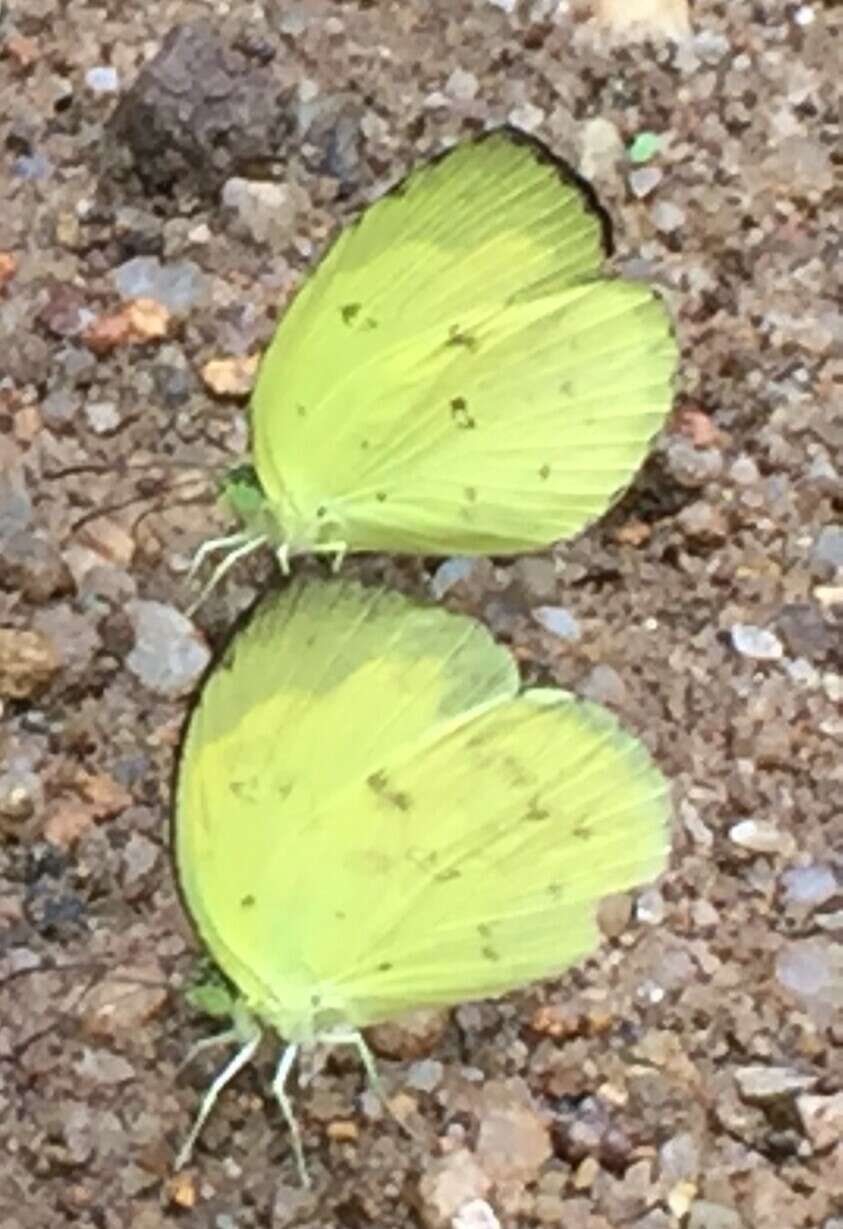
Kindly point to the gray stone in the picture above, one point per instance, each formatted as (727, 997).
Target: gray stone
(179, 287)
(168, 654)
(828, 547)
(558, 621)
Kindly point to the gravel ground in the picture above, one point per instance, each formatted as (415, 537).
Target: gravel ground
(690, 1074)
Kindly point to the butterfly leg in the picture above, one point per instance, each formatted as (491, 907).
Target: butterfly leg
(278, 1085)
(209, 1043)
(283, 557)
(250, 545)
(367, 1058)
(212, 545)
(338, 549)
(241, 1058)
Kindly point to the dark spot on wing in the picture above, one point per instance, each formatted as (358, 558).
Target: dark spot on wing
(321, 511)
(582, 830)
(567, 388)
(378, 782)
(315, 1000)
(424, 861)
(386, 967)
(517, 773)
(339, 915)
(460, 414)
(471, 494)
(364, 444)
(381, 497)
(246, 790)
(489, 953)
(535, 812)
(247, 902)
(301, 411)
(350, 312)
(460, 337)
(555, 891)
(447, 876)
(544, 473)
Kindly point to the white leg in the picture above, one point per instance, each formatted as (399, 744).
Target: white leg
(283, 557)
(338, 549)
(367, 1058)
(209, 1043)
(287, 1060)
(214, 544)
(240, 1059)
(223, 568)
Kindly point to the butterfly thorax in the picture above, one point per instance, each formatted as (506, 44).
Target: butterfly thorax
(281, 522)
(302, 1010)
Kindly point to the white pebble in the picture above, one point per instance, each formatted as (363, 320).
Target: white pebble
(103, 79)
(461, 85)
(760, 836)
(526, 117)
(756, 642)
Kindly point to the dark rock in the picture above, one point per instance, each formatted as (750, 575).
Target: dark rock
(200, 112)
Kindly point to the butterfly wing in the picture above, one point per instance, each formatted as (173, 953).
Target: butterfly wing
(475, 864)
(325, 681)
(456, 376)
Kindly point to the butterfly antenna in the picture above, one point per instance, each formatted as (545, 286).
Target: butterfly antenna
(247, 548)
(208, 1043)
(278, 1089)
(215, 544)
(243, 1056)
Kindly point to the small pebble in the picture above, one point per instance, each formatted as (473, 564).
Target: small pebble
(667, 217)
(604, 685)
(425, 1076)
(265, 210)
(476, 1214)
(526, 117)
(103, 79)
(706, 1215)
(602, 148)
(828, 547)
(809, 885)
(759, 836)
(557, 620)
(650, 907)
(103, 416)
(644, 180)
(805, 968)
(168, 655)
(756, 642)
(451, 573)
(461, 85)
(644, 147)
(763, 1085)
(180, 287)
